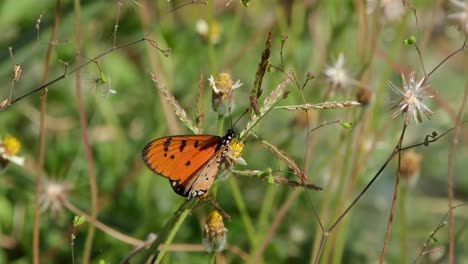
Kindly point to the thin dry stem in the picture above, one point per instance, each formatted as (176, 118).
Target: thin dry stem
(42, 131)
(116, 25)
(104, 228)
(187, 4)
(464, 46)
(395, 196)
(85, 138)
(80, 66)
(431, 236)
(451, 157)
(145, 16)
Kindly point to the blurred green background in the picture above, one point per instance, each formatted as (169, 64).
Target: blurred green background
(137, 202)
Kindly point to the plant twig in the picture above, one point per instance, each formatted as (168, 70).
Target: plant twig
(85, 138)
(431, 236)
(40, 165)
(451, 157)
(395, 196)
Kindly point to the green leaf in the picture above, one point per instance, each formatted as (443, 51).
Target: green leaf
(78, 220)
(346, 125)
(246, 3)
(103, 78)
(271, 180)
(411, 40)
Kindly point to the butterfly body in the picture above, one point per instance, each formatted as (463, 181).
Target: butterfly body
(190, 162)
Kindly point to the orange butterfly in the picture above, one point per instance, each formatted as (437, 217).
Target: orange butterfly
(190, 162)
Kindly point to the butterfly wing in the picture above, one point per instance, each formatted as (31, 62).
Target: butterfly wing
(200, 182)
(180, 158)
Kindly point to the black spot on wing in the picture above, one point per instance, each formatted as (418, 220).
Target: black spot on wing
(182, 145)
(167, 143)
(195, 145)
(187, 163)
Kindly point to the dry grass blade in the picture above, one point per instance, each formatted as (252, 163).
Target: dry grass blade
(180, 112)
(324, 105)
(280, 180)
(257, 89)
(200, 111)
(254, 105)
(274, 97)
(287, 159)
(270, 101)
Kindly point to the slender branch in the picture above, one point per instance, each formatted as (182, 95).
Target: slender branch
(451, 157)
(104, 228)
(188, 3)
(85, 138)
(80, 66)
(395, 196)
(431, 236)
(449, 56)
(116, 25)
(40, 165)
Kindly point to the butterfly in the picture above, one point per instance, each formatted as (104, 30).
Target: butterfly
(190, 162)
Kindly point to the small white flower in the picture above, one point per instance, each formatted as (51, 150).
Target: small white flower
(209, 31)
(202, 27)
(337, 74)
(8, 149)
(460, 15)
(412, 95)
(222, 78)
(222, 100)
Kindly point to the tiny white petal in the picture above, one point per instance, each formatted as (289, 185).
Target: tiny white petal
(237, 84)
(213, 84)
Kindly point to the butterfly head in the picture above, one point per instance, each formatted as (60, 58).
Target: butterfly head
(229, 136)
(233, 152)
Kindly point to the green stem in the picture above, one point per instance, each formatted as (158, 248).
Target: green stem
(250, 230)
(212, 259)
(170, 230)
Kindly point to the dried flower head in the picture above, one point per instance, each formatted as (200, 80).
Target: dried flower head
(364, 95)
(214, 232)
(54, 194)
(460, 15)
(9, 146)
(337, 75)
(412, 94)
(410, 166)
(16, 72)
(222, 97)
(103, 84)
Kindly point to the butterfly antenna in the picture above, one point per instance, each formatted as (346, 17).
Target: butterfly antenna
(245, 112)
(230, 116)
